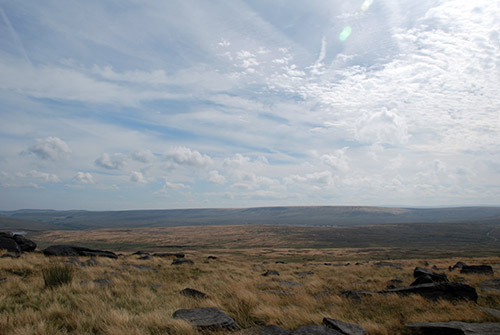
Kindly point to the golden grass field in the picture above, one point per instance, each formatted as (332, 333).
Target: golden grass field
(137, 300)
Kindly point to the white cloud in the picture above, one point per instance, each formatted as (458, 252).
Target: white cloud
(50, 148)
(143, 156)
(111, 162)
(186, 156)
(322, 178)
(337, 160)
(168, 185)
(48, 177)
(138, 177)
(215, 178)
(84, 178)
(382, 127)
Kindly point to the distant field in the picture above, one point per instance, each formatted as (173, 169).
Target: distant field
(383, 241)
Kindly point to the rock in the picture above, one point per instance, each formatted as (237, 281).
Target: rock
(356, 295)
(179, 261)
(103, 282)
(75, 261)
(279, 262)
(3, 279)
(211, 257)
(446, 290)
(388, 264)
(454, 328)
(140, 253)
(24, 244)
(169, 254)
(191, 292)
(344, 327)
(491, 311)
(480, 269)
(490, 285)
(458, 265)
(209, 318)
(9, 244)
(274, 330)
(288, 283)
(271, 273)
(422, 280)
(435, 277)
(91, 262)
(315, 330)
(305, 273)
(69, 250)
(145, 257)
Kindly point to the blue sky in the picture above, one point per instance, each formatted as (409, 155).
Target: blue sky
(187, 104)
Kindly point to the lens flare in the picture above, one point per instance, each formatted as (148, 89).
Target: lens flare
(345, 33)
(366, 5)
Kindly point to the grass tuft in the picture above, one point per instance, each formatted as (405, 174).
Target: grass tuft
(57, 275)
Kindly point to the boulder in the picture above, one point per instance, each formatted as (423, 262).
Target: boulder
(454, 328)
(343, 327)
(69, 250)
(24, 244)
(169, 254)
(208, 318)
(315, 330)
(446, 290)
(179, 261)
(193, 293)
(458, 265)
(435, 277)
(480, 269)
(9, 244)
(271, 273)
(274, 330)
(422, 280)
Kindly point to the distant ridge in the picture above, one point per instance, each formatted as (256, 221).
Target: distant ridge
(297, 215)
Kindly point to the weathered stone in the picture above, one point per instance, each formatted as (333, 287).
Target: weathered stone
(91, 262)
(454, 328)
(209, 318)
(447, 290)
(193, 293)
(69, 250)
(480, 269)
(169, 254)
(315, 330)
(271, 273)
(458, 265)
(9, 244)
(274, 330)
(212, 257)
(145, 257)
(426, 279)
(435, 277)
(26, 245)
(491, 311)
(180, 261)
(490, 285)
(10, 256)
(388, 264)
(344, 327)
(356, 295)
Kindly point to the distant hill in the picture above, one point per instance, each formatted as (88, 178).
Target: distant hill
(316, 216)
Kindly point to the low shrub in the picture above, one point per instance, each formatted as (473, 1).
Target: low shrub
(57, 275)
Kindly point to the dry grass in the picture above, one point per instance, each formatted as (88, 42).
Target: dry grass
(138, 301)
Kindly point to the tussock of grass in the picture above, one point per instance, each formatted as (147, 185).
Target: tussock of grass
(142, 302)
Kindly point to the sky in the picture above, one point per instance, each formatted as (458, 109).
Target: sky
(116, 105)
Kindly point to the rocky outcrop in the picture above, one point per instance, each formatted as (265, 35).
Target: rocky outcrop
(343, 327)
(454, 328)
(271, 273)
(447, 290)
(69, 250)
(16, 243)
(180, 261)
(435, 277)
(209, 318)
(193, 293)
(169, 254)
(480, 269)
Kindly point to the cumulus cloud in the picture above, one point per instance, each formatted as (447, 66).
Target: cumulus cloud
(83, 178)
(384, 127)
(186, 156)
(322, 178)
(111, 162)
(337, 160)
(215, 178)
(48, 177)
(137, 177)
(143, 156)
(50, 148)
(168, 185)
(237, 160)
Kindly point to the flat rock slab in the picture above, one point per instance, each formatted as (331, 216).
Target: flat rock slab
(304, 330)
(448, 291)
(193, 293)
(454, 328)
(344, 327)
(70, 250)
(209, 318)
(180, 261)
(480, 269)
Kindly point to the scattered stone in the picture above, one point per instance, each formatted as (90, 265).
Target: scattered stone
(454, 328)
(305, 273)
(434, 277)
(179, 261)
(279, 262)
(490, 285)
(344, 327)
(458, 265)
(140, 253)
(9, 244)
(10, 256)
(75, 261)
(271, 273)
(209, 318)
(356, 295)
(211, 257)
(435, 268)
(69, 250)
(426, 279)
(480, 269)
(145, 257)
(322, 295)
(288, 283)
(191, 292)
(445, 290)
(169, 254)
(92, 262)
(155, 286)
(274, 330)
(491, 311)
(315, 330)
(389, 265)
